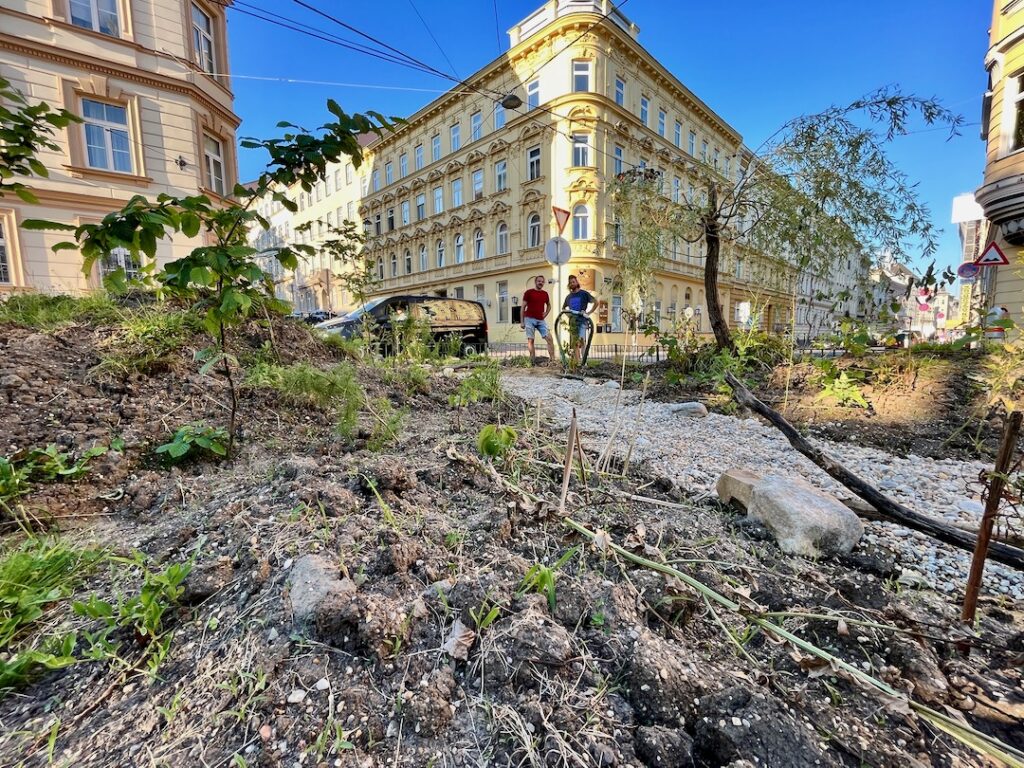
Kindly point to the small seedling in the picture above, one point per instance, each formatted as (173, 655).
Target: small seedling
(192, 440)
(494, 441)
(540, 578)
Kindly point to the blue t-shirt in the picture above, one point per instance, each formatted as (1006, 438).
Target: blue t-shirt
(578, 301)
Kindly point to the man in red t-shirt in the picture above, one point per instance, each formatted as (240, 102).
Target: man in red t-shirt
(536, 305)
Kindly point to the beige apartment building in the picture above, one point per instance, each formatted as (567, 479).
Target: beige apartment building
(149, 78)
(1002, 194)
(458, 200)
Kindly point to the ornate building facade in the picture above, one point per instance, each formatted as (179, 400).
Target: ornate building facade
(149, 78)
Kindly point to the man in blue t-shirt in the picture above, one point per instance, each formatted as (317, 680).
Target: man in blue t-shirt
(582, 303)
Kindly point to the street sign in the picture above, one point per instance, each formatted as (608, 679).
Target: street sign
(561, 217)
(992, 256)
(558, 251)
(968, 271)
(966, 290)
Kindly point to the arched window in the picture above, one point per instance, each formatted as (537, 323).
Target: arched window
(478, 244)
(423, 258)
(460, 249)
(440, 253)
(580, 223)
(408, 262)
(380, 267)
(502, 238)
(533, 231)
(688, 300)
(394, 265)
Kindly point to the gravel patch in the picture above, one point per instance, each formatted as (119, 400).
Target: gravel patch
(694, 451)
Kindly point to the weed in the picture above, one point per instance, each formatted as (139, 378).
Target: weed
(840, 385)
(387, 423)
(483, 384)
(385, 509)
(195, 440)
(248, 688)
(34, 577)
(410, 378)
(304, 384)
(146, 340)
(494, 441)
(45, 313)
(353, 349)
(541, 578)
(41, 465)
(454, 539)
(484, 615)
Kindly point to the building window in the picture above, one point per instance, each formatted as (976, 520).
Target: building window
(677, 136)
(620, 91)
(617, 157)
(417, 156)
(380, 267)
(503, 301)
(328, 181)
(533, 163)
(692, 146)
(203, 51)
(376, 180)
(348, 173)
(403, 165)
(581, 76)
(421, 207)
(456, 193)
(394, 265)
(106, 136)
(454, 133)
(405, 212)
(645, 110)
(389, 173)
(717, 154)
(478, 184)
(580, 149)
(1018, 114)
(365, 184)
(499, 116)
(580, 223)
(213, 154)
(533, 231)
(500, 175)
(423, 258)
(376, 224)
(728, 167)
(408, 262)
(460, 292)
(617, 231)
(478, 244)
(533, 95)
(661, 122)
(119, 258)
(391, 219)
(350, 213)
(476, 125)
(479, 293)
(438, 200)
(330, 220)
(97, 15)
(704, 151)
(440, 253)
(435, 148)
(502, 239)
(460, 249)
(616, 314)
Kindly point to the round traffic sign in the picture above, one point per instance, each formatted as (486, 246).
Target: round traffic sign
(558, 251)
(968, 270)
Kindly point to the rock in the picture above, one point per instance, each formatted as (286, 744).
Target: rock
(804, 520)
(611, 384)
(205, 581)
(662, 688)
(693, 410)
(738, 485)
(665, 747)
(918, 664)
(738, 723)
(314, 581)
(538, 640)
(322, 684)
(297, 696)
(12, 381)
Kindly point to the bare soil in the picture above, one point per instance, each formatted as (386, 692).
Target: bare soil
(619, 665)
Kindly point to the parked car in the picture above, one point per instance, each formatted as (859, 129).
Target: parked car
(446, 318)
(318, 316)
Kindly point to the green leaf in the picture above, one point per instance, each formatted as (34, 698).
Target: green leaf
(190, 224)
(25, 194)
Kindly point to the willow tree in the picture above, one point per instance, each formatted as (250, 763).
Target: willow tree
(818, 189)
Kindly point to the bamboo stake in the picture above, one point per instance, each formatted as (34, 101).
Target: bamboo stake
(567, 469)
(988, 519)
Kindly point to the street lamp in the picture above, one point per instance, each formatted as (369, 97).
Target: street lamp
(511, 101)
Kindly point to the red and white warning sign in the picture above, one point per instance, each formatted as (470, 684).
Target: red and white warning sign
(562, 217)
(992, 256)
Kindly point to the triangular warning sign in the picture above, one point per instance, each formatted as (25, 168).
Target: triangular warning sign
(992, 257)
(561, 216)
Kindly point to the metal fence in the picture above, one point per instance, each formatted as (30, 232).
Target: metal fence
(634, 353)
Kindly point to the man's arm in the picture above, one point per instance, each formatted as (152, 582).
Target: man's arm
(522, 314)
(547, 304)
(593, 304)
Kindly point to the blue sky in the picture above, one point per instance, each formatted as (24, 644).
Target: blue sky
(756, 63)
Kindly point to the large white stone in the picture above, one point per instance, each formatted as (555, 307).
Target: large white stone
(804, 520)
(694, 410)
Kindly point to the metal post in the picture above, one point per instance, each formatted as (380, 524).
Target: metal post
(995, 493)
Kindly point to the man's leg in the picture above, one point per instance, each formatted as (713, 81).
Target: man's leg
(551, 347)
(529, 347)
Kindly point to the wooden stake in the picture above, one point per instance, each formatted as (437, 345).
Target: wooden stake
(988, 519)
(567, 469)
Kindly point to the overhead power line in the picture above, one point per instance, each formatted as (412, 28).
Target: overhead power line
(429, 32)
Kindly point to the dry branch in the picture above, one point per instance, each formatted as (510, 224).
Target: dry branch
(885, 508)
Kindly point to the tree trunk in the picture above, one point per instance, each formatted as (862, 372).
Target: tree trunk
(714, 241)
(886, 508)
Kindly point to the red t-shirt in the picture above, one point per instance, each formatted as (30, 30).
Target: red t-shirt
(535, 303)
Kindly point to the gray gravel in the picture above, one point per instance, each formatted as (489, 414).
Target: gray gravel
(693, 451)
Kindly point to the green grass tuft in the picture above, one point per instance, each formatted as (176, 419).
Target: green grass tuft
(45, 313)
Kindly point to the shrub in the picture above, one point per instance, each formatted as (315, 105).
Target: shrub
(494, 441)
(195, 440)
(483, 384)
